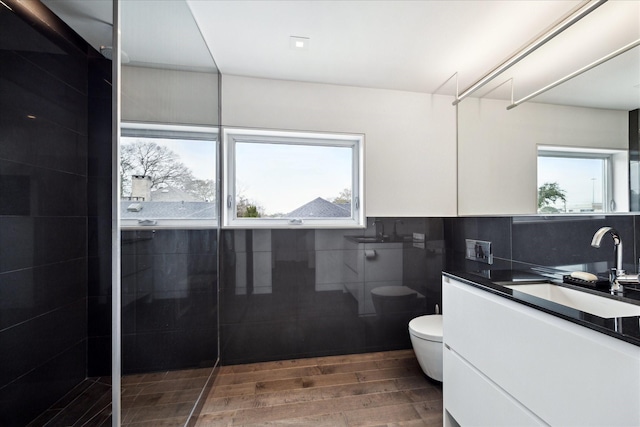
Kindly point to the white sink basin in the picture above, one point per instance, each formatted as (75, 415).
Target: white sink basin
(583, 301)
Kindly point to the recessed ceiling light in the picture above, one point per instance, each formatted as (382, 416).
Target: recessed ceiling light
(31, 116)
(299, 43)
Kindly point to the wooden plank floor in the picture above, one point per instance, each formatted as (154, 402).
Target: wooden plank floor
(372, 389)
(161, 398)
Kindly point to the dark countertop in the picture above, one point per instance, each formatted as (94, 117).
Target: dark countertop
(624, 328)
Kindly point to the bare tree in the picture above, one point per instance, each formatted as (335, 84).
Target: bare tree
(150, 159)
(164, 167)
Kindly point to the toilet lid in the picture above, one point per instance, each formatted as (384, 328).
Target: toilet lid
(427, 327)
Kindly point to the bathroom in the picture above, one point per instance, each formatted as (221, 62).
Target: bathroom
(218, 308)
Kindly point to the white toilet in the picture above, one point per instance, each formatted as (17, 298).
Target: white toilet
(426, 338)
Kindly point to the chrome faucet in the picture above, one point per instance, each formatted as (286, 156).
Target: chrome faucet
(617, 271)
(379, 230)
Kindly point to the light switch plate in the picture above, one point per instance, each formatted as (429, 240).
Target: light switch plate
(479, 250)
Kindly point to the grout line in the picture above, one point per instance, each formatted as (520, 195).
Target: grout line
(89, 421)
(72, 404)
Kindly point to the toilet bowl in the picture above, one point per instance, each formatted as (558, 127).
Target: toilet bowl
(426, 338)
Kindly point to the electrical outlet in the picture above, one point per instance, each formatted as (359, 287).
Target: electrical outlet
(479, 250)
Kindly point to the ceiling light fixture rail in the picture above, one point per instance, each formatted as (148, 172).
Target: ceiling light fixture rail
(584, 69)
(573, 17)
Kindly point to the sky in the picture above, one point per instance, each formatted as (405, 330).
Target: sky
(283, 177)
(582, 179)
(199, 156)
(277, 177)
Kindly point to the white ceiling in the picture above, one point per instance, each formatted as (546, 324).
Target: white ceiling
(400, 45)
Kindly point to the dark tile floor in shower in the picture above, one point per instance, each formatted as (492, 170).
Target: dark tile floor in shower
(159, 398)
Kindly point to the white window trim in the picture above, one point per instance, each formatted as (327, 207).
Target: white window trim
(231, 136)
(616, 173)
(157, 130)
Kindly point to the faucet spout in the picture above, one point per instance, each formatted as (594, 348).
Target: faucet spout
(617, 244)
(618, 271)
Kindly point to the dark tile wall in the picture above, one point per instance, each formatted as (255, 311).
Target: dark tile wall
(169, 300)
(43, 216)
(302, 293)
(544, 241)
(496, 230)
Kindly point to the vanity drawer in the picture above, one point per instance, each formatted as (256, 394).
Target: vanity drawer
(472, 399)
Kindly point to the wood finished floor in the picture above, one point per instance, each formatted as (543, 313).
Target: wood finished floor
(372, 389)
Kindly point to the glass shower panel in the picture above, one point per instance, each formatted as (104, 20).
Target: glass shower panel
(169, 94)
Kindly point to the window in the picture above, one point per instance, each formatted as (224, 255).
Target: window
(293, 179)
(168, 176)
(580, 180)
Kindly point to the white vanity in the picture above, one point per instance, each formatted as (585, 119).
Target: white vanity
(511, 360)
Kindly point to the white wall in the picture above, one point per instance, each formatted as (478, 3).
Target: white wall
(410, 154)
(497, 149)
(169, 96)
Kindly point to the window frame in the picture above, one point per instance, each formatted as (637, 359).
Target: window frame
(611, 181)
(174, 131)
(233, 136)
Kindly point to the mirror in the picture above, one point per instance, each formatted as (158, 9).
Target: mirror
(498, 151)
(502, 154)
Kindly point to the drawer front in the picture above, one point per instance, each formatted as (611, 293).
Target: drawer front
(473, 400)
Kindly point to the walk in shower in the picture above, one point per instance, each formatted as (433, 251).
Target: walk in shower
(58, 186)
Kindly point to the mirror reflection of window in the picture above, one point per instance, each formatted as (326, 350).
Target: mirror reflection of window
(581, 180)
